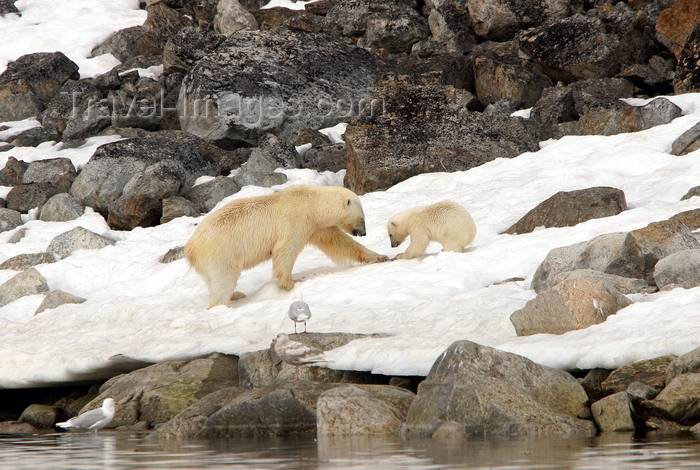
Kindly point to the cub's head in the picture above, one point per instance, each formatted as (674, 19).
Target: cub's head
(354, 220)
(397, 232)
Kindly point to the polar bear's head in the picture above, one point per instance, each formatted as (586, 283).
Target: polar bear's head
(354, 222)
(397, 232)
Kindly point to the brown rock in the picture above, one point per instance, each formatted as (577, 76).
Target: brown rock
(676, 23)
(651, 372)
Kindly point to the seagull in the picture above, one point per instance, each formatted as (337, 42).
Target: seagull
(94, 419)
(296, 354)
(299, 312)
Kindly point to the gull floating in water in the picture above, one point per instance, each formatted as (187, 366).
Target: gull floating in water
(296, 353)
(299, 312)
(92, 420)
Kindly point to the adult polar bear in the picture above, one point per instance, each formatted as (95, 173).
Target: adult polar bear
(248, 231)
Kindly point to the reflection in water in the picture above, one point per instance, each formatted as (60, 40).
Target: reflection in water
(119, 450)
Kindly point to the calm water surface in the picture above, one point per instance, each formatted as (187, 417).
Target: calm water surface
(123, 450)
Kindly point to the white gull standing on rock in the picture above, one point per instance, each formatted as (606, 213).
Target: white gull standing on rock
(94, 419)
(299, 312)
(296, 353)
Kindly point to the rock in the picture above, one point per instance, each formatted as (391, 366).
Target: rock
(263, 368)
(687, 142)
(78, 238)
(131, 42)
(687, 78)
(640, 391)
(371, 410)
(508, 78)
(40, 416)
(681, 269)
(8, 7)
(500, 20)
(675, 24)
(56, 298)
(394, 28)
(451, 432)
(311, 136)
(258, 178)
(24, 261)
(13, 427)
(12, 172)
(690, 219)
(685, 364)
(35, 136)
(231, 17)
(614, 413)
(351, 16)
(28, 282)
(207, 195)
(60, 172)
(285, 410)
(116, 165)
(495, 393)
(190, 421)
(419, 128)
(651, 372)
(271, 154)
(155, 394)
(260, 82)
(25, 197)
(172, 254)
(187, 46)
(580, 46)
(176, 206)
(569, 208)
(79, 109)
(61, 208)
(625, 285)
(451, 26)
(9, 219)
(28, 83)
(570, 305)
(679, 401)
(330, 157)
(591, 383)
(630, 119)
(18, 235)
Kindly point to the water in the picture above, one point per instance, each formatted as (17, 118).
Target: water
(124, 450)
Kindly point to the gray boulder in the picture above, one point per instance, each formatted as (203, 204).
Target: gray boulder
(681, 268)
(494, 393)
(685, 364)
(569, 305)
(40, 416)
(569, 208)
(625, 285)
(60, 172)
(13, 171)
(231, 17)
(56, 298)
(24, 261)
(61, 208)
(370, 410)
(329, 157)
(628, 119)
(679, 401)
(498, 78)
(394, 28)
(187, 46)
(614, 413)
(117, 166)
(419, 128)
(29, 82)
(248, 177)
(28, 282)
(687, 142)
(155, 394)
(207, 195)
(279, 82)
(451, 25)
(177, 206)
(78, 238)
(9, 219)
(270, 154)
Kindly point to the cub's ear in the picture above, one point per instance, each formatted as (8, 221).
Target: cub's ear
(392, 223)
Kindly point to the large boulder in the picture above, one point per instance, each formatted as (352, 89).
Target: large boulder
(676, 23)
(687, 78)
(491, 392)
(278, 82)
(419, 128)
(614, 413)
(681, 269)
(569, 305)
(687, 363)
(629, 118)
(651, 372)
(78, 238)
(679, 401)
(509, 78)
(451, 25)
(394, 29)
(568, 208)
(28, 282)
(138, 173)
(625, 285)
(31, 81)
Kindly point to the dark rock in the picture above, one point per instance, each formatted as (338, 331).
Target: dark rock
(591, 383)
(207, 195)
(78, 110)
(687, 142)
(600, 93)
(676, 23)
(31, 81)
(56, 298)
(444, 68)
(113, 166)
(60, 172)
(177, 206)
(8, 7)
(24, 197)
(186, 47)
(311, 136)
(640, 391)
(231, 17)
(685, 364)
(651, 372)
(569, 208)
(687, 79)
(630, 119)
(35, 136)
(9, 219)
(28, 282)
(272, 153)
(78, 238)
(451, 26)
(646, 78)
(271, 18)
(12, 173)
(494, 393)
(569, 305)
(555, 106)
(394, 28)
(61, 208)
(614, 413)
(330, 157)
(24, 261)
(678, 401)
(419, 128)
(260, 82)
(508, 78)
(40, 416)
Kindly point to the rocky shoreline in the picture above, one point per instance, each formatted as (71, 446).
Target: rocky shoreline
(208, 87)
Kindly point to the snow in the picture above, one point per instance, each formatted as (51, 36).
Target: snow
(139, 310)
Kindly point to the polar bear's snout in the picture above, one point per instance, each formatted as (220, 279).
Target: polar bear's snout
(359, 231)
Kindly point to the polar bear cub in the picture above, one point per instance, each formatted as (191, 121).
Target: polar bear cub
(446, 222)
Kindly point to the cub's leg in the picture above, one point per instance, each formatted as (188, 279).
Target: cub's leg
(416, 248)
